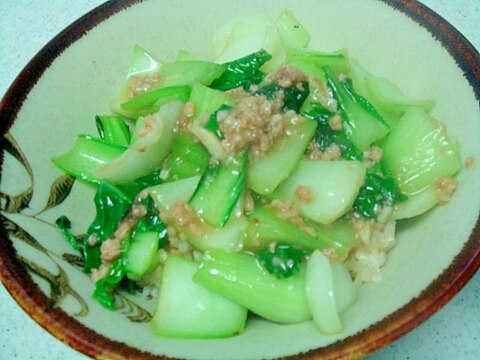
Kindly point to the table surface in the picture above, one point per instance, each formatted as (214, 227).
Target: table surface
(27, 25)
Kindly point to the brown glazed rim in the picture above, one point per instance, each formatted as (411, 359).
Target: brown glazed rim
(29, 296)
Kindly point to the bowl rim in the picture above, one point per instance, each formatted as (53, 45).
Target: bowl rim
(37, 305)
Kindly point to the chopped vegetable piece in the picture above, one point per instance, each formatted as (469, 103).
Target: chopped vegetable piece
(417, 204)
(86, 155)
(246, 35)
(388, 96)
(150, 101)
(338, 62)
(151, 222)
(142, 63)
(188, 310)
(362, 123)
(242, 72)
(146, 154)
(283, 261)
(291, 31)
(167, 194)
(142, 75)
(64, 224)
(141, 258)
(326, 136)
(111, 205)
(266, 173)
(212, 124)
(174, 195)
(240, 278)
(228, 238)
(203, 236)
(338, 237)
(377, 192)
(106, 287)
(419, 152)
(343, 289)
(188, 158)
(219, 189)
(113, 129)
(180, 73)
(293, 97)
(149, 180)
(265, 227)
(206, 101)
(332, 187)
(320, 294)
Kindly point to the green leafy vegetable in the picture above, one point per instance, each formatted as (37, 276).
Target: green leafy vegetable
(224, 182)
(105, 287)
(377, 192)
(152, 222)
(337, 61)
(283, 261)
(293, 97)
(87, 154)
(325, 136)
(150, 101)
(145, 153)
(362, 124)
(64, 224)
(188, 157)
(116, 276)
(111, 205)
(206, 101)
(212, 123)
(242, 72)
(180, 73)
(149, 180)
(113, 129)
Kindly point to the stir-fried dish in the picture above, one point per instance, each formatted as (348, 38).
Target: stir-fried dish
(269, 184)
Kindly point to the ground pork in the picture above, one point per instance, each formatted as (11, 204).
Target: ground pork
(286, 76)
(304, 194)
(373, 154)
(255, 121)
(445, 187)
(110, 249)
(335, 123)
(139, 84)
(331, 153)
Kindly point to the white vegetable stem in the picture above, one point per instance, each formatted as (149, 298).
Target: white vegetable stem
(147, 153)
(320, 294)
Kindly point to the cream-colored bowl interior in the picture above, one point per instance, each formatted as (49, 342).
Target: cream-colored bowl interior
(80, 83)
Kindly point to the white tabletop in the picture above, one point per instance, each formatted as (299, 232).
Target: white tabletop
(27, 25)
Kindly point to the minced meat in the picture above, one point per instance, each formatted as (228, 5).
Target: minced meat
(286, 76)
(255, 121)
(139, 84)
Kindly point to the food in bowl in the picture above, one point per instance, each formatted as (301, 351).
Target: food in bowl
(267, 182)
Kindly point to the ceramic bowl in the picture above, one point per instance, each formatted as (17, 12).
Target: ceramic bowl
(57, 95)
